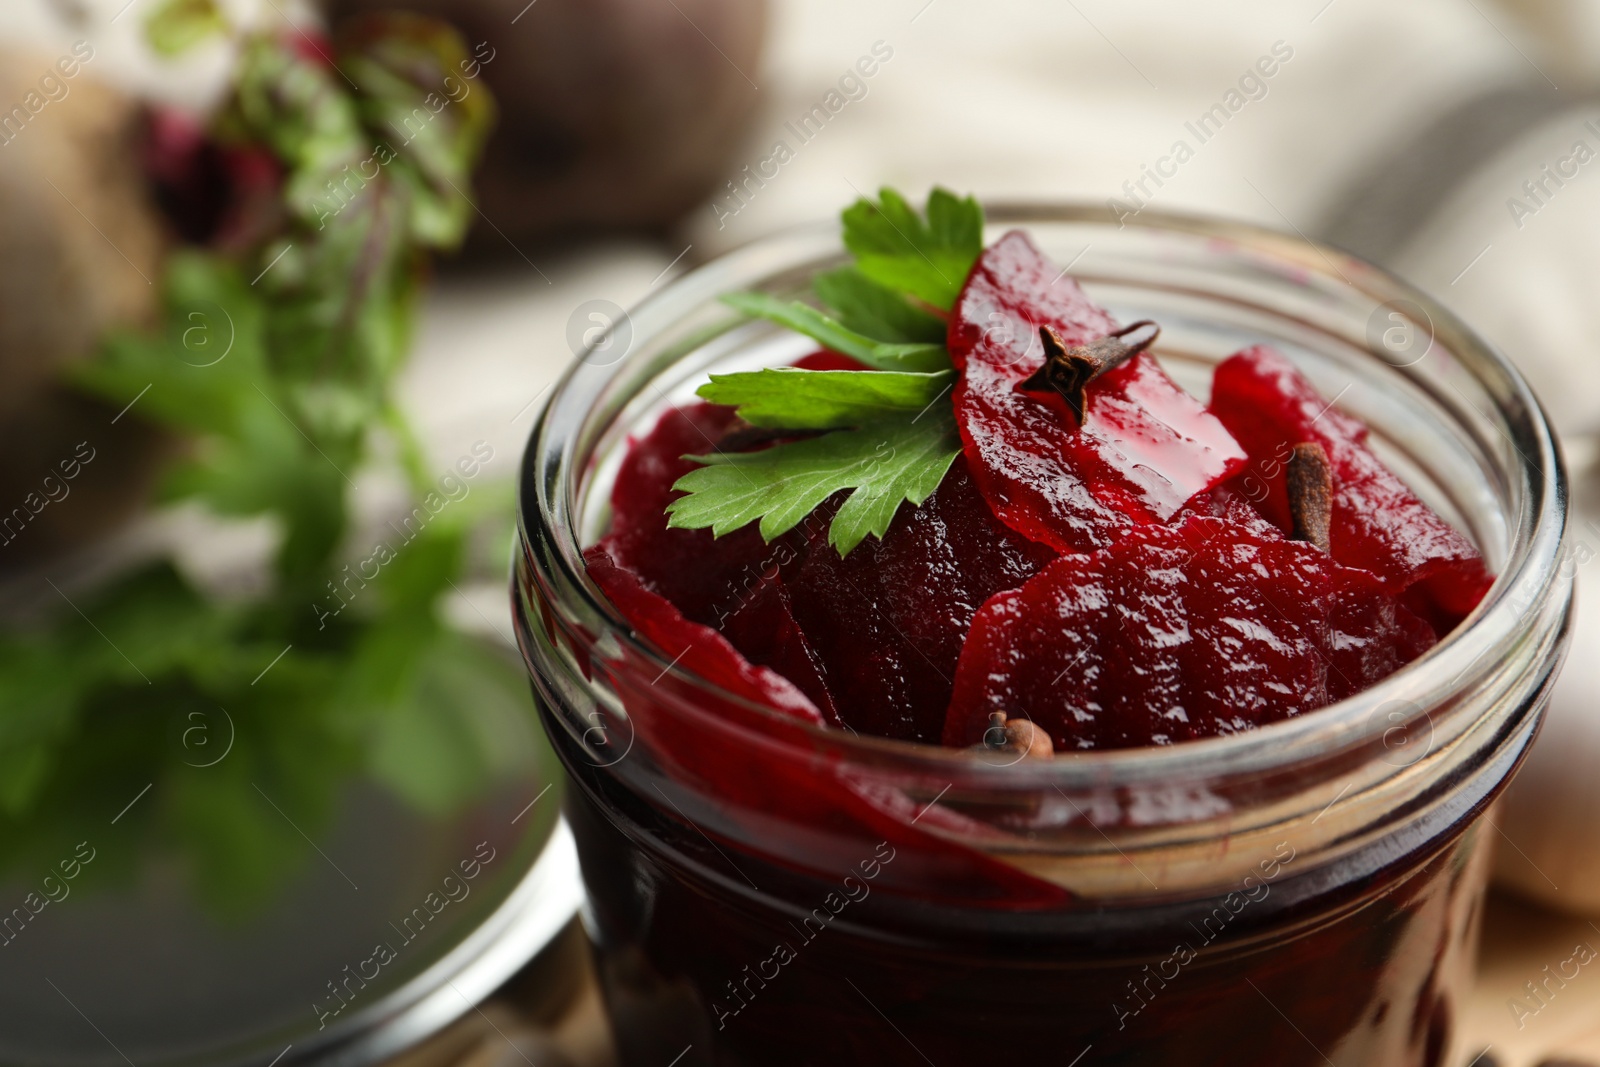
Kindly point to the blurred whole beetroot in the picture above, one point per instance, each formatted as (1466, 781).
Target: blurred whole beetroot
(613, 113)
(80, 248)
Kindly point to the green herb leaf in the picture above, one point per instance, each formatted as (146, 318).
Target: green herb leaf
(416, 89)
(278, 366)
(897, 459)
(803, 318)
(794, 399)
(444, 734)
(929, 259)
(874, 310)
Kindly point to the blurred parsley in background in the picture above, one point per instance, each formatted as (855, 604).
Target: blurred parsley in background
(346, 163)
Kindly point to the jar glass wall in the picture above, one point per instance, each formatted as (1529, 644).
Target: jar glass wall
(764, 892)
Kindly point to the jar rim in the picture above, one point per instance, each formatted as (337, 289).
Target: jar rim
(547, 515)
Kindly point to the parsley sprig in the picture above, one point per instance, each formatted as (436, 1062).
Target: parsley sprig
(882, 463)
(891, 433)
(925, 258)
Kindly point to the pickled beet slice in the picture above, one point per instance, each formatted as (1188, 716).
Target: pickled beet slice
(764, 630)
(888, 620)
(827, 359)
(1378, 524)
(773, 793)
(704, 576)
(1144, 449)
(692, 647)
(1228, 502)
(707, 577)
(1199, 629)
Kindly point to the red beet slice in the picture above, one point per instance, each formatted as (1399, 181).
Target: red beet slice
(764, 630)
(704, 576)
(888, 620)
(767, 785)
(707, 577)
(1199, 629)
(1378, 524)
(1145, 447)
(697, 649)
(1226, 501)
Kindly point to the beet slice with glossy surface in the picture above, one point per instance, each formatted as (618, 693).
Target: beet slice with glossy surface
(706, 577)
(1199, 629)
(888, 620)
(1378, 523)
(759, 773)
(764, 630)
(1143, 450)
(697, 649)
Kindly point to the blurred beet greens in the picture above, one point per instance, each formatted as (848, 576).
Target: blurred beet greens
(345, 163)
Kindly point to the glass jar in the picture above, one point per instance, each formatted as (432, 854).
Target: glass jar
(765, 892)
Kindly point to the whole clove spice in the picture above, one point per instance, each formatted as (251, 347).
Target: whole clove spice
(1017, 735)
(1309, 478)
(1068, 369)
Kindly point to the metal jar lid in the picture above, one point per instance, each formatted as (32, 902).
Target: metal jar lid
(343, 920)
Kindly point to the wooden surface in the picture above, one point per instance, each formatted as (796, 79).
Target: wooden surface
(1519, 941)
(550, 1014)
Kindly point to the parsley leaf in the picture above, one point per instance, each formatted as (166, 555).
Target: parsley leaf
(900, 458)
(900, 440)
(866, 307)
(929, 259)
(793, 399)
(803, 318)
(892, 440)
(398, 75)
